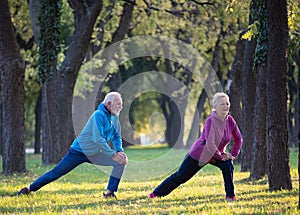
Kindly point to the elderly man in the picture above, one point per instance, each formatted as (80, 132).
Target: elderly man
(92, 146)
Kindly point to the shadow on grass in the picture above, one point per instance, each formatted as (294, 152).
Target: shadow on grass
(248, 180)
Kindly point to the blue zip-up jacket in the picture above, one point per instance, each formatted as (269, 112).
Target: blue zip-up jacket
(101, 128)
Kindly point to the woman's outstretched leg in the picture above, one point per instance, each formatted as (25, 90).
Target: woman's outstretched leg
(187, 170)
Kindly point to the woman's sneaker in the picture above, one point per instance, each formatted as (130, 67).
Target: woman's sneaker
(23, 191)
(233, 198)
(151, 195)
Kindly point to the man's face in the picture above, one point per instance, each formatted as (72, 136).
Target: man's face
(116, 106)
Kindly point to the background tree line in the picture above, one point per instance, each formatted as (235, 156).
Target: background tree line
(253, 46)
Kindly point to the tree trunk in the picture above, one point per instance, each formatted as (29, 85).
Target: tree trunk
(12, 83)
(38, 124)
(277, 135)
(293, 117)
(34, 7)
(248, 101)
(173, 113)
(195, 133)
(1, 142)
(50, 139)
(236, 86)
(173, 122)
(85, 18)
(297, 60)
(259, 148)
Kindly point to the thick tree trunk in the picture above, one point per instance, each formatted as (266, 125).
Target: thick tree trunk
(248, 101)
(259, 148)
(50, 146)
(12, 68)
(277, 135)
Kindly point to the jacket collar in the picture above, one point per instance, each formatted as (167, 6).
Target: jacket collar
(102, 107)
(216, 116)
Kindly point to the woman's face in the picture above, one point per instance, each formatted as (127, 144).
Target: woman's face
(222, 107)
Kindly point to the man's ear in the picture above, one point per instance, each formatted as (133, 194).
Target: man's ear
(109, 104)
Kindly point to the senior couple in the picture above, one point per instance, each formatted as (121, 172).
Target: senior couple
(92, 145)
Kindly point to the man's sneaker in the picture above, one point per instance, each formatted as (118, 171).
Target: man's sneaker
(109, 195)
(23, 191)
(151, 195)
(233, 198)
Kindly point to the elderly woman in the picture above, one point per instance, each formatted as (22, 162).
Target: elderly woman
(218, 130)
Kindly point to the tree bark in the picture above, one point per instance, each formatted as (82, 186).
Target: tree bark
(297, 60)
(259, 148)
(12, 68)
(85, 14)
(277, 135)
(173, 112)
(248, 102)
(50, 143)
(1, 137)
(38, 124)
(195, 130)
(293, 117)
(236, 87)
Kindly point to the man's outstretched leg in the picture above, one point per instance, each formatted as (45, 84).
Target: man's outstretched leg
(69, 162)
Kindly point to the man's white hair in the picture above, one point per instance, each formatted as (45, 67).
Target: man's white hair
(110, 97)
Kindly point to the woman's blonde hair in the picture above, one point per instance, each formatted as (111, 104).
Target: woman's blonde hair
(217, 96)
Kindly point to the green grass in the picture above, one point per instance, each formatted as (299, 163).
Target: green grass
(80, 192)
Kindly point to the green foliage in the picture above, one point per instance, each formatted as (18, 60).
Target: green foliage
(49, 47)
(66, 25)
(259, 14)
(294, 25)
(258, 30)
(85, 84)
(252, 31)
(21, 18)
(80, 192)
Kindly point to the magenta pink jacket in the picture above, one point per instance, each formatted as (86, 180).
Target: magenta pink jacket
(216, 134)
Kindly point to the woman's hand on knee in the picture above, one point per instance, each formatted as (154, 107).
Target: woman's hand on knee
(227, 156)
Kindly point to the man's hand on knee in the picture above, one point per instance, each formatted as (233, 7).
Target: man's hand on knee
(120, 157)
(124, 156)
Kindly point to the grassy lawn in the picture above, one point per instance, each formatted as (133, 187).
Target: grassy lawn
(80, 192)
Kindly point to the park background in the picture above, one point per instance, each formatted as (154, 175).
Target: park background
(58, 59)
